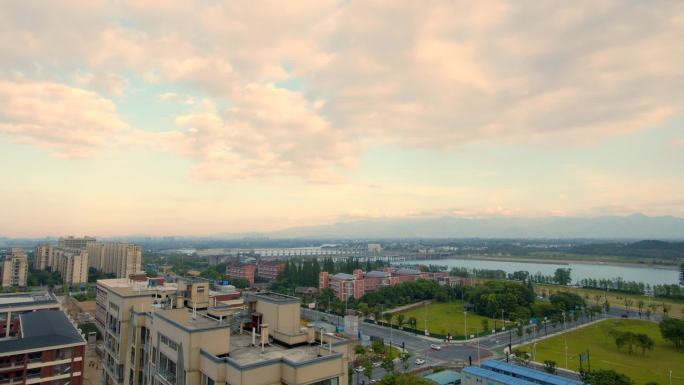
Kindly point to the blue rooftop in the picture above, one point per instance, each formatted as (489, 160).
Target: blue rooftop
(490, 375)
(527, 373)
(445, 377)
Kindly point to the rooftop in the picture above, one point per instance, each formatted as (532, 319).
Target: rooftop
(490, 375)
(343, 276)
(377, 274)
(244, 354)
(270, 296)
(184, 318)
(41, 329)
(31, 299)
(445, 377)
(129, 288)
(521, 371)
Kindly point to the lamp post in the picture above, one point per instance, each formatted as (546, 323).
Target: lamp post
(465, 324)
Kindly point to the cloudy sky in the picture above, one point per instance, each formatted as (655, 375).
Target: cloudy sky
(208, 116)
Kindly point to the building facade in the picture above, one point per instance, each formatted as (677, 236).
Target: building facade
(41, 345)
(71, 242)
(270, 269)
(70, 263)
(176, 334)
(241, 270)
(14, 268)
(120, 259)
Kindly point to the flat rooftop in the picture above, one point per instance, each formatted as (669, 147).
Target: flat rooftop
(270, 296)
(244, 354)
(129, 288)
(184, 317)
(41, 329)
(29, 299)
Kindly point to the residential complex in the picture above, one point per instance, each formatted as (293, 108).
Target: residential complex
(501, 373)
(14, 268)
(241, 270)
(40, 343)
(359, 282)
(270, 269)
(158, 332)
(70, 263)
(71, 242)
(120, 259)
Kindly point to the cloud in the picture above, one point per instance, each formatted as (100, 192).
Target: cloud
(267, 131)
(69, 122)
(177, 98)
(428, 75)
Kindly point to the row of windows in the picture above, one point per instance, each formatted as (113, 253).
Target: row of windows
(169, 342)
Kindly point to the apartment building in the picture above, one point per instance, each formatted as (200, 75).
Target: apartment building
(14, 268)
(120, 259)
(241, 270)
(158, 333)
(270, 269)
(39, 344)
(360, 283)
(70, 263)
(71, 242)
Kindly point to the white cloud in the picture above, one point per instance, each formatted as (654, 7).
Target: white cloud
(69, 122)
(105, 82)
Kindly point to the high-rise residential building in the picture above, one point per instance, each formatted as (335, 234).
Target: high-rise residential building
(71, 242)
(43, 346)
(681, 274)
(70, 263)
(158, 332)
(120, 259)
(43, 256)
(241, 270)
(14, 268)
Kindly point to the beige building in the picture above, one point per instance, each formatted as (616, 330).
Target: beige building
(120, 259)
(176, 334)
(75, 243)
(71, 264)
(14, 268)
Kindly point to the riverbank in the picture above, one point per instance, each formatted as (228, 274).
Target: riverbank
(559, 260)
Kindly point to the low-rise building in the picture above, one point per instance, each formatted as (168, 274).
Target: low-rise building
(14, 268)
(40, 344)
(241, 270)
(270, 269)
(160, 334)
(501, 373)
(359, 282)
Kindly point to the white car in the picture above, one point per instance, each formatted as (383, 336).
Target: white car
(377, 364)
(359, 369)
(435, 347)
(419, 361)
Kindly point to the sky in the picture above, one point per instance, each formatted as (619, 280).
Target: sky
(200, 117)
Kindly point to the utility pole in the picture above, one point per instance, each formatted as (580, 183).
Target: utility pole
(426, 316)
(465, 324)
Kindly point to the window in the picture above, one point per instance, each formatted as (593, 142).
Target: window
(168, 342)
(206, 380)
(167, 368)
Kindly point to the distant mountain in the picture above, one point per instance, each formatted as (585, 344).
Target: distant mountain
(635, 226)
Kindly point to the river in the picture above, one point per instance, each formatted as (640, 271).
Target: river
(647, 275)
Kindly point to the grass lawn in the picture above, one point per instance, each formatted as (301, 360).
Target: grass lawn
(603, 353)
(618, 299)
(446, 318)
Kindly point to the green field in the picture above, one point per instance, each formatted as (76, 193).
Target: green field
(447, 318)
(603, 353)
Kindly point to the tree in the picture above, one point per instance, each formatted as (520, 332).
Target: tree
(388, 317)
(404, 379)
(640, 306)
(485, 325)
(567, 301)
(605, 377)
(405, 356)
(645, 342)
(359, 350)
(368, 368)
(672, 329)
(388, 363)
(562, 276)
(413, 321)
(628, 304)
(400, 319)
(240, 283)
(550, 366)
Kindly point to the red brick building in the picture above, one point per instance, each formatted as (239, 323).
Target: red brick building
(48, 349)
(270, 269)
(240, 270)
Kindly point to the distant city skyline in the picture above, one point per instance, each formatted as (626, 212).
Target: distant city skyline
(208, 117)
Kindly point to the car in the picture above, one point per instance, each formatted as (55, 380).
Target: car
(377, 364)
(435, 347)
(624, 316)
(419, 361)
(373, 381)
(359, 369)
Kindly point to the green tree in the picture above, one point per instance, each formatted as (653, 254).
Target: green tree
(645, 342)
(405, 356)
(388, 363)
(562, 276)
(485, 325)
(606, 377)
(404, 379)
(672, 329)
(550, 366)
(400, 319)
